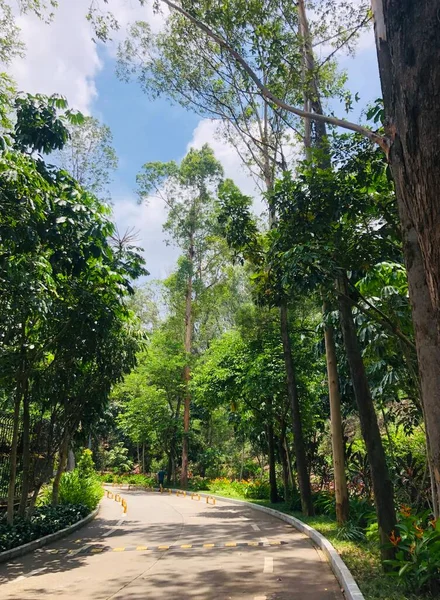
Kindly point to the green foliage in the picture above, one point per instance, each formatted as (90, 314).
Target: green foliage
(44, 521)
(417, 543)
(117, 459)
(75, 489)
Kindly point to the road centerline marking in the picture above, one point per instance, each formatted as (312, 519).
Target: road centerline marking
(255, 527)
(268, 564)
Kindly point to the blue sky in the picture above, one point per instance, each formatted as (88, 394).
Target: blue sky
(63, 59)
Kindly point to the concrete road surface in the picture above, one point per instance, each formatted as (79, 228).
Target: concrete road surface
(169, 547)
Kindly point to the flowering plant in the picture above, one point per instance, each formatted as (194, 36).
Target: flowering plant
(417, 543)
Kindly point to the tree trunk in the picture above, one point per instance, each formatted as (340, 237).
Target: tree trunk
(31, 507)
(13, 455)
(382, 485)
(143, 458)
(285, 466)
(341, 492)
(408, 50)
(298, 438)
(271, 457)
(187, 370)
(60, 470)
(428, 350)
(26, 455)
(70, 460)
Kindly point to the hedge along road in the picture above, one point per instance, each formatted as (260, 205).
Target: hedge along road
(174, 548)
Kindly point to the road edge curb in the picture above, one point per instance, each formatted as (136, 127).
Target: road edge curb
(7, 555)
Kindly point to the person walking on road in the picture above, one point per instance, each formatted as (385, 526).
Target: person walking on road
(161, 478)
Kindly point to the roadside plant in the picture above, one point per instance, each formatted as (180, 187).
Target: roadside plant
(417, 543)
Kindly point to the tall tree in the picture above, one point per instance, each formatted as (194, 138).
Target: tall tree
(89, 156)
(188, 191)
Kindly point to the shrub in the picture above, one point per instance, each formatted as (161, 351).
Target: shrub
(81, 486)
(417, 544)
(258, 490)
(44, 521)
(198, 483)
(75, 489)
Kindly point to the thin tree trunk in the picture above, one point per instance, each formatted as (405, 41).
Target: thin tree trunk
(289, 464)
(143, 458)
(382, 485)
(187, 370)
(242, 460)
(13, 456)
(60, 470)
(271, 456)
(298, 438)
(284, 464)
(31, 507)
(26, 455)
(341, 492)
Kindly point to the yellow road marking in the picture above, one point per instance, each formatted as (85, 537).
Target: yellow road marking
(163, 547)
(119, 549)
(253, 543)
(96, 550)
(208, 545)
(141, 547)
(230, 544)
(186, 546)
(275, 543)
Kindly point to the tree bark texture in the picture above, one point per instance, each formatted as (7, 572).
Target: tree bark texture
(292, 391)
(408, 49)
(341, 492)
(382, 485)
(428, 350)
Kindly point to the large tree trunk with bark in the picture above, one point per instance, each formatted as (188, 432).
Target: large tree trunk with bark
(341, 492)
(298, 437)
(408, 49)
(382, 485)
(187, 369)
(428, 350)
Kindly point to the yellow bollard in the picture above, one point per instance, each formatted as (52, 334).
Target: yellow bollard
(195, 496)
(124, 505)
(170, 492)
(110, 495)
(117, 498)
(210, 500)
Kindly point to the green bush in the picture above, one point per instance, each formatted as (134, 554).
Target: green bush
(80, 486)
(75, 489)
(44, 521)
(198, 483)
(257, 490)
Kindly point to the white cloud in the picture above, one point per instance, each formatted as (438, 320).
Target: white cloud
(207, 132)
(62, 58)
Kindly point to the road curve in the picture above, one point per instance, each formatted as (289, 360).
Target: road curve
(169, 547)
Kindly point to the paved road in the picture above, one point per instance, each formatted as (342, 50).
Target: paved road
(170, 547)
